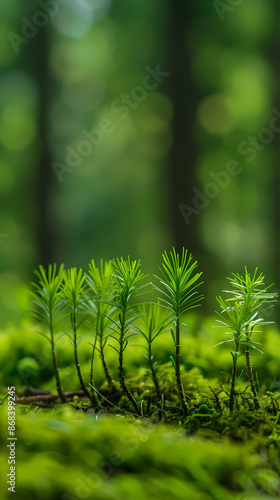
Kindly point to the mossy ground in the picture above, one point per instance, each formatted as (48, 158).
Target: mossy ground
(73, 452)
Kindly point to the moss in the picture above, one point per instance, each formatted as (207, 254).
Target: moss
(68, 454)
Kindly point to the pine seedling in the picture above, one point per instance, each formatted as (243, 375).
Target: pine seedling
(101, 287)
(74, 298)
(47, 300)
(152, 323)
(232, 318)
(127, 275)
(179, 289)
(251, 295)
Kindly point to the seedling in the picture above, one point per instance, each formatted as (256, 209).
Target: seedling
(180, 295)
(74, 298)
(233, 318)
(150, 325)
(127, 274)
(48, 301)
(243, 313)
(108, 297)
(101, 287)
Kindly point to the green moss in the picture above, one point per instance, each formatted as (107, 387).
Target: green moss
(69, 453)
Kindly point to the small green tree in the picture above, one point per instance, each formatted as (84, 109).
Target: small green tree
(47, 299)
(127, 275)
(74, 298)
(179, 289)
(242, 313)
(101, 288)
(152, 323)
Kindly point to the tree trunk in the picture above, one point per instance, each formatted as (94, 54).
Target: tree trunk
(44, 174)
(183, 155)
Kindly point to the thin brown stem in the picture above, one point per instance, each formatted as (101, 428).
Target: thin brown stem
(232, 385)
(80, 376)
(105, 366)
(56, 371)
(91, 368)
(178, 370)
(55, 364)
(249, 372)
(125, 390)
(26, 400)
(154, 375)
(94, 397)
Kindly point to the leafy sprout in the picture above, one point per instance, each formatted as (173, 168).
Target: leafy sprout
(74, 297)
(47, 299)
(179, 284)
(241, 314)
(127, 275)
(101, 286)
(152, 323)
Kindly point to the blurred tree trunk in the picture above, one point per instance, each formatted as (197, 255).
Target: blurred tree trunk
(273, 56)
(183, 155)
(44, 173)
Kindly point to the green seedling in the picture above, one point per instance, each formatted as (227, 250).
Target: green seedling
(47, 299)
(152, 323)
(101, 288)
(74, 298)
(127, 275)
(243, 310)
(179, 289)
(233, 318)
(106, 300)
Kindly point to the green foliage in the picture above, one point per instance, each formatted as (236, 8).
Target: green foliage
(47, 297)
(179, 286)
(74, 297)
(180, 294)
(101, 289)
(152, 323)
(252, 294)
(108, 298)
(241, 313)
(234, 319)
(127, 275)
(74, 289)
(138, 460)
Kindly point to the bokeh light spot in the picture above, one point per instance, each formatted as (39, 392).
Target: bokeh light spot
(17, 129)
(215, 115)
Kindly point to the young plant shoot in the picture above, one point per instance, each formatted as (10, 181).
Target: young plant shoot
(101, 287)
(47, 300)
(74, 297)
(232, 318)
(127, 274)
(248, 297)
(152, 323)
(107, 301)
(179, 289)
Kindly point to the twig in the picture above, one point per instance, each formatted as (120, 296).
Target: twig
(47, 397)
(216, 393)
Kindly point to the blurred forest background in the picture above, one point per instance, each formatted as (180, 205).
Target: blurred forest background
(66, 68)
